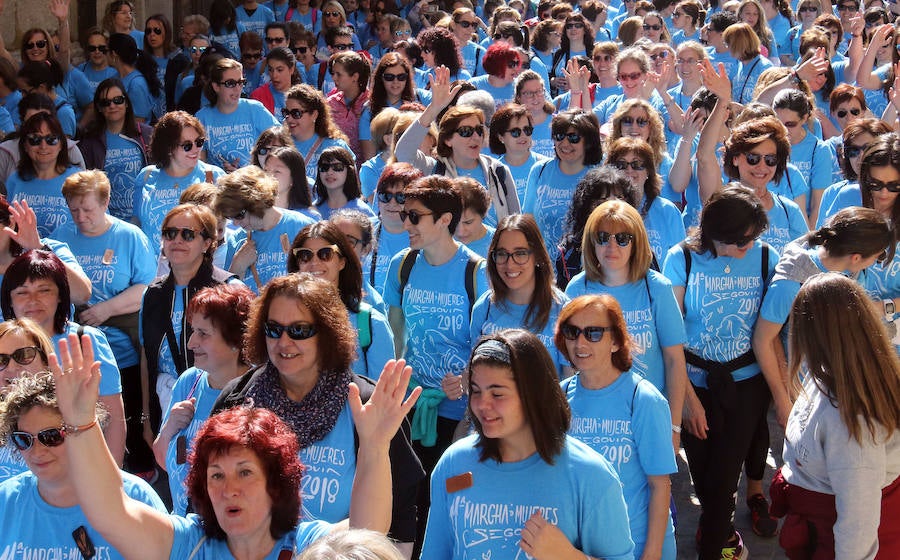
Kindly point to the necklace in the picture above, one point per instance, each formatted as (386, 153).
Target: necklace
(728, 265)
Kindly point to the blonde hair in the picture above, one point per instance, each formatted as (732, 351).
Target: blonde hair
(622, 214)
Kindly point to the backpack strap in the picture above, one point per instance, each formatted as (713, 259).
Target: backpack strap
(765, 270)
(472, 280)
(406, 265)
(374, 255)
(687, 262)
(209, 177)
(364, 326)
(479, 52)
(323, 66)
(543, 167)
(440, 168)
(289, 15)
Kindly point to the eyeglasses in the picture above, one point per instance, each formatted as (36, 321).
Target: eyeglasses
(402, 77)
(342, 46)
(96, 48)
(634, 76)
(385, 197)
(336, 167)
(128, 13)
(676, 15)
(198, 50)
(299, 50)
(465, 23)
(622, 165)
(846, 8)
(648, 27)
(603, 58)
(660, 55)
(331, 14)
(532, 94)
(23, 356)
(622, 238)
(36, 44)
(873, 23)
(239, 216)
(574, 25)
(876, 185)
(519, 256)
(852, 151)
(741, 241)
(498, 36)
(295, 331)
(517, 132)
(36, 139)
(753, 159)
(325, 254)
(428, 50)
(402, 33)
(631, 121)
(688, 61)
(187, 234)
(572, 137)
(276, 39)
(264, 151)
(232, 83)
(188, 146)
(468, 131)
(293, 113)
(841, 113)
(354, 241)
(117, 100)
(591, 334)
(808, 9)
(153, 30)
(413, 216)
(51, 437)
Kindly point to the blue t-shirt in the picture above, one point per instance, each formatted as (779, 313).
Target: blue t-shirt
(357, 204)
(257, 22)
(780, 27)
(815, 160)
(389, 244)
(786, 223)
(11, 462)
(720, 308)
(110, 381)
(744, 81)
(605, 107)
(628, 423)
(329, 467)
(664, 226)
(548, 196)
(232, 39)
(731, 63)
(542, 141)
(481, 245)
(520, 172)
(124, 160)
(369, 174)
(779, 300)
(882, 281)
(792, 184)
(472, 53)
(502, 95)
(189, 535)
(370, 362)
(32, 528)
(312, 20)
(436, 313)
(77, 90)
(652, 315)
(11, 104)
(311, 157)
(94, 77)
(230, 138)
(44, 196)
(139, 93)
(580, 493)
(844, 195)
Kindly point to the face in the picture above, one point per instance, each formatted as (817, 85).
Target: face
(275, 38)
(343, 80)
(211, 351)
(43, 155)
(603, 64)
(113, 113)
(36, 299)
(467, 148)
(236, 483)
(794, 122)
(277, 168)
(636, 124)
(555, 38)
(496, 404)
(329, 270)
(462, 32)
(89, 214)
(613, 257)
(49, 464)
(575, 32)
(181, 253)
(295, 360)
(188, 159)
(198, 47)
(354, 235)
(123, 17)
(280, 74)
(332, 179)
(97, 56)
(517, 277)
(188, 31)
(750, 15)
(470, 227)
(734, 250)
(859, 145)
(512, 69)
(272, 144)
(428, 57)
(9, 343)
(587, 356)
(395, 87)
(568, 152)
(153, 38)
(638, 177)
(686, 64)
(430, 228)
(390, 211)
(331, 17)
(532, 95)
(383, 30)
(808, 13)
(652, 28)
(631, 77)
(229, 97)
(758, 175)
(884, 199)
(521, 144)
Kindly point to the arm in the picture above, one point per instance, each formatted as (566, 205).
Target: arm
(179, 418)
(676, 114)
(578, 78)
(676, 385)
(766, 345)
(398, 325)
(115, 430)
(693, 415)
(806, 71)
(60, 9)
(128, 301)
(855, 49)
(709, 175)
(865, 76)
(657, 515)
(407, 148)
(135, 529)
(682, 169)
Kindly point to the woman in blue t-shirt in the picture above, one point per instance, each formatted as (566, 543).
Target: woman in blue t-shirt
(286, 165)
(138, 71)
(45, 77)
(337, 183)
(159, 43)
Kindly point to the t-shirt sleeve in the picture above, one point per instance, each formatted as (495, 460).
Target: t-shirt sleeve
(669, 321)
(392, 281)
(110, 381)
(651, 424)
(674, 268)
(382, 348)
(479, 316)
(779, 299)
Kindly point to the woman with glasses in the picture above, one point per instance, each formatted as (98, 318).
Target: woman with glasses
(687, 57)
(119, 18)
(337, 184)
(511, 138)
(268, 140)
(44, 78)
(554, 497)
(392, 86)
(391, 236)
(439, 48)
(333, 17)
(96, 67)
(613, 404)
(531, 92)
(654, 28)
(807, 12)
(461, 134)
(159, 43)
(523, 294)
(138, 72)
(178, 138)
(198, 46)
(546, 37)
(719, 277)
(286, 165)
(465, 26)
(502, 65)
(224, 28)
(847, 103)
(228, 145)
(688, 17)
(116, 143)
(307, 116)
(577, 39)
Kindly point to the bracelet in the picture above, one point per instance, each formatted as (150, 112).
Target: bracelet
(676, 428)
(72, 430)
(145, 417)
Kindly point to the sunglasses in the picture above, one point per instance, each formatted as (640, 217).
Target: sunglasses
(276, 39)
(622, 165)
(295, 331)
(634, 76)
(648, 27)
(574, 26)
(532, 94)
(198, 143)
(402, 33)
(413, 216)
(517, 132)
(336, 167)
(252, 55)
(385, 197)
(742, 241)
(342, 46)
(331, 14)
(23, 356)
(572, 137)
(293, 113)
(230, 84)
(117, 100)
(519, 256)
(36, 44)
(660, 55)
(187, 234)
(198, 50)
(239, 216)
(841, 113)
(808, 9)
(354, 241)
(325, 254)
(154, 30)
(676, 15)
(299, 50)
(465, 24)
(95, 48)
(468, 131)
(622, 238)
(603, 58)
(852, 151)
(876, 185)
(513, 64)
(591, 334)
(36, 139)
(51, 437)
(847, 8)
(631, 121)
(391, 77)
(753, 159)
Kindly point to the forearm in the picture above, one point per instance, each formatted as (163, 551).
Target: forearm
(115, 430)
(676, 114)
(398, 326)
(767, 95)
(79, 286)
(855, 54)
(676, 380)
(865, 78)
(127, 301)
(65, 41)
(709, 176)
(765, 339)
(407, 148)
(682, 170)
(372, 500)
(657, 516)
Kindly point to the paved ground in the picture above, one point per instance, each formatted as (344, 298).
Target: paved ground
(689, 508)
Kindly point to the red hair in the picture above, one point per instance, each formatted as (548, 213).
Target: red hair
(621, 358)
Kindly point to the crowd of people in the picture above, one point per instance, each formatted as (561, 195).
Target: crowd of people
(443, 279)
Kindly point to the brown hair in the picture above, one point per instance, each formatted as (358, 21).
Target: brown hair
(621, 358)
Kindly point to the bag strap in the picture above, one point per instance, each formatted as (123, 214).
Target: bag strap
(374, 255)
(364, 326)
(406, 265)
(209, 177)
(323, 66)
(687, 262)
(472, 280)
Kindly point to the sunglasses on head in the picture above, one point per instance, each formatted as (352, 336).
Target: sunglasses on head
(631, 121)
(517, 132)
(295, 331)
(239, 216)
(468, 131)
(325, 254)
(22, 356)
(117, 100)
(572, 137)
(51, 437)
(413, 216)
(154, 30)
(187, 234)
(36, 44)
(575, 25)
(385, 197)
(402, 77)
(753, 159)
(519, 256)
(293, 113)
(648, 27)
(841, 113)
(591, 334)
(299, 50)
(198, 143)
(622, 238)
(96, 48)
(36, 139)
(852, 151)
(876, 185)
(622, 165)
(337, 167)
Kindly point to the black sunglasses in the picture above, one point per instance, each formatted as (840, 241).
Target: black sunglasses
(154, 30)
(239, 216)
(770, 159)
(519, 256)
(325, 254)
(232, 83)
(39, 44)
(413, 216)
(841, 113)
(852, 151)
(648, 27)
(293, 113)
(276, 39)
(741, 241)
(299, 50)
(808, 9)
(513, 64)
(295, 331)
(662, 54)
(591, 334)
(391, 77)
(188, 146)
(622, 238)
(188, 234)
(385, 197)
(94, 48)
(572, 137)
(465, 23)
(574, 26)
(876, 185)
(23, 356)
(331, 14)
(335, 166)
(36, 139)
(631, 121)
(468, 131)
(117, 100)
(622, 165)
(516, 132)
(51, 437)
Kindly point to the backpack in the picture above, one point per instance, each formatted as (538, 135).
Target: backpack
(471, 278)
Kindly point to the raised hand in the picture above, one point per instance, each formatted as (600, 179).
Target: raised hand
(77, 378)
(59, 9)
(379, 419)
(693, 123)
(816, 65)
(441, 92)
(23, 226)
(716, 80)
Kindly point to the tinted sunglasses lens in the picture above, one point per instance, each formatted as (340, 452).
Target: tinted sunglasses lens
(412, 216)
(272, 330)
(22, 440)
(23, 356)
(325, 254)
(569, 332)
(297, 331)
(386, 197)
(594, 334)
(303, 256)
(199, 142)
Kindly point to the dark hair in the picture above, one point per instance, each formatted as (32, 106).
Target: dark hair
(443, 44)
(621, 358)
(168, 45)
(854, 230)
(336, 154)
(397, 174)
(350, 277)
(125, 47)
(874, 126)
(47, 73)
(378, 99)
(704, 99)
(448, 124)
(588, 39)
(751, 133)
(216, 72)
(500, 124)
(263, 433)
(353, 63)
(512, 30)
(35, 101)
(97, 126)
(14, 248)
(227, 306)
(167, 135)
(37, 264)
(313, 100)
(728, 214)
(28, 36)
(285, 56)
(597, 186)
(298, 195)
(8, 73)
(540, 39)
(222, 17)
(885, 151)
(721, 20)
(652, 186)
(439, 195)
(543, 403)
(586, 124)
(26, 167)
(278, 133)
